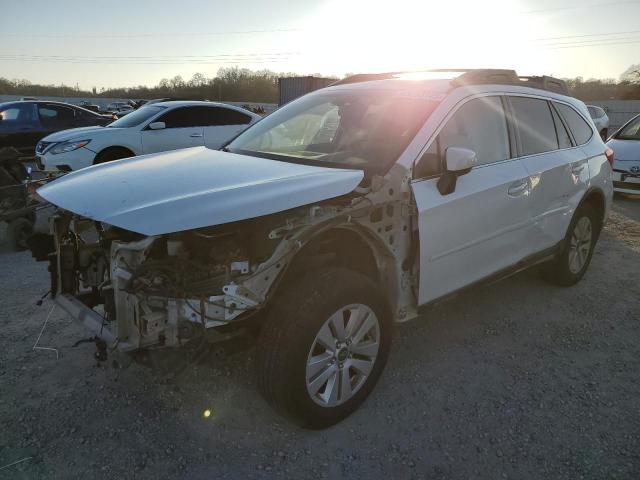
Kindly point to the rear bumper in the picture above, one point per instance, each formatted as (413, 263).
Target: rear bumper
(626, 183)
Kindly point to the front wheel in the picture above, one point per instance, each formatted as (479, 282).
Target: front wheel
(578, 248)
(111, 154)
(323, 347)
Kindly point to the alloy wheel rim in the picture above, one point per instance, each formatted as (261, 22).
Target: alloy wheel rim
(342, 355)
(580, 245)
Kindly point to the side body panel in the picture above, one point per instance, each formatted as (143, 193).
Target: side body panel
(473, 232)
(559, 180)
(171, 139)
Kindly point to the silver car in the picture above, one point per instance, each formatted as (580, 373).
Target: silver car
(625, 144)
(600, 118)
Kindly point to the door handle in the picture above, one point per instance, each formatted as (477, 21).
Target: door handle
(196, 135)
(518, 188)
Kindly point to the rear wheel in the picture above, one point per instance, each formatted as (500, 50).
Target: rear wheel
(578, 247)
(323, 347)
(110, 154)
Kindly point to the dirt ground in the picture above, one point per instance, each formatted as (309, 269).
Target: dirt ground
(518, 379)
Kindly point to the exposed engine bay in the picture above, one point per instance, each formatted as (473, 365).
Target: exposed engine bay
(136, 291)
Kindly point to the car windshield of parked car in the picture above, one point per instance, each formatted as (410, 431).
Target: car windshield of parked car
(365, 129)
(136, 118)
(631, 131)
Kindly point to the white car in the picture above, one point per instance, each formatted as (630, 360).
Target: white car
(600, 119)
(150, 129)
(625, 144)
(347, 209)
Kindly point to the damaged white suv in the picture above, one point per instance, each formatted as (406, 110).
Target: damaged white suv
(346, 210)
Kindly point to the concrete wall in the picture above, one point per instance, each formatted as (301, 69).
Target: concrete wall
(619, 111)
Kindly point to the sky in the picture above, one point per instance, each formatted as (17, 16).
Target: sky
(117, 43)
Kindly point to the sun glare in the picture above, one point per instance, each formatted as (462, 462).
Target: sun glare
(373, 36)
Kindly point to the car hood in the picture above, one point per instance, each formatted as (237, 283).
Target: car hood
(82, 133)
(193, 188)
(625, 150)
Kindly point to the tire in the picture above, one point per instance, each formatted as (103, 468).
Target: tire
(113, 153)
(567, 269)
(18, 231)
(290, 338)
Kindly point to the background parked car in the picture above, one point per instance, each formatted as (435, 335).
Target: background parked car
(625, 144)
(601, 119)
(24, 123)
(150, 129)
(89, 106)
(119, 108)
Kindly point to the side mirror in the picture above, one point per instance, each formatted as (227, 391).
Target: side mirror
(459, 161)
(157, 125)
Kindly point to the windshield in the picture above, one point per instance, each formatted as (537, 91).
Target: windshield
(631, 131)
(137, 117)
(365, 129)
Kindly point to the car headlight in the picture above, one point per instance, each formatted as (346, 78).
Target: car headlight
(65, 147)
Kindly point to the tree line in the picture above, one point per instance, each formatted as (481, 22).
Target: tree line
(235, 84)
(231, 84)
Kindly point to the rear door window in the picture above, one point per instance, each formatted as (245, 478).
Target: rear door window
(534, 125)
(579, 127)
(218, 116)
(56, 116)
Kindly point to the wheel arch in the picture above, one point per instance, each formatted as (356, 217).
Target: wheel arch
(347, 246)
(113, 147)
(595, 198)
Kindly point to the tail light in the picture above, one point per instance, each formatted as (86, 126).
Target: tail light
(609, 153)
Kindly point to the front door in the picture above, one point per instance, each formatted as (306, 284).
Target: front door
(183, 129)
(482, 227)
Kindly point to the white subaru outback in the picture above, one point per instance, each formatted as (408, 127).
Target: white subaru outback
(348, 209)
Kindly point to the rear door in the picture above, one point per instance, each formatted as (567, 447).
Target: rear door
(222, 124)
(183, 129)
(557, 169)
(482, 226)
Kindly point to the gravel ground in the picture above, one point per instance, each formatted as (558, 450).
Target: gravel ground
(518, 379)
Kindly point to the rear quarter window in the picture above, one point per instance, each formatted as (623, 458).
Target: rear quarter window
(581, 130)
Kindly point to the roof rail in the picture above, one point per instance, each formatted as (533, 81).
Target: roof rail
(545, 82)
(484, 76)
(473, 77)
(364, 77)
(510, 77)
